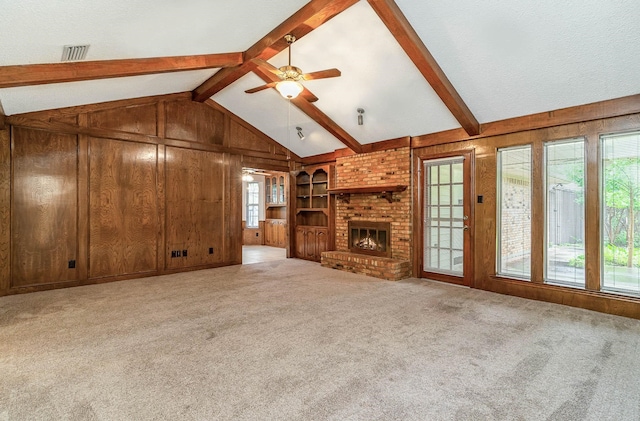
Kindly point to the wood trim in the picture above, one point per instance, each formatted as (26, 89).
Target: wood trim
(538, 211)
(384, 145)
(162, 207)
(579, 114)
(2, 118)
(312, 15)
(469, 165)
(161, 119)
(38, 74)
(417, 244)
(313, 112)
(250, 162)
(602, 302)
(326, 157)
(133, 137)
(592, 212)
(147, 100)
(83, 201)
(5, 210)
(410, 41)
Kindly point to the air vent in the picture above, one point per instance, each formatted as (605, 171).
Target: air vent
(74, 52)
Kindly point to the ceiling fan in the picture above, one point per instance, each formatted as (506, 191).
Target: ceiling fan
(290, 76)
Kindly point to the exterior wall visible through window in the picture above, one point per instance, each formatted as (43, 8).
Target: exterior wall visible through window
(514, 212)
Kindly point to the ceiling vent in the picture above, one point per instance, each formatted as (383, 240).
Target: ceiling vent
(74, 52)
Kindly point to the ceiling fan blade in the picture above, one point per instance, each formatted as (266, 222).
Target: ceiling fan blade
(267, 66)
(306, 94)
(261, 88)
(321, 74)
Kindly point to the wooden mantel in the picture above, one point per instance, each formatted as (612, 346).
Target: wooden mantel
(386, 192)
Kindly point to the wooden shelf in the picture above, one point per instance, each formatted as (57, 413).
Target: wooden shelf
(323, 210)
(385, 191)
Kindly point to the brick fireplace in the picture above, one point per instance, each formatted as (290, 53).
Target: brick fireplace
(370, 211)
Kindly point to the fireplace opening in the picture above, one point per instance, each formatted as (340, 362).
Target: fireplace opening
(369, 237)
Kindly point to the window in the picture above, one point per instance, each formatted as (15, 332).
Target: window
(619, 204)
(253, 200)
(514, 212)
(564, 181)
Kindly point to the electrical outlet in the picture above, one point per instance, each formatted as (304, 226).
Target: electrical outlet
(177, 253)
(173, 254)
(184, 253)
(72, 264)
(210, 250)
(257, 234)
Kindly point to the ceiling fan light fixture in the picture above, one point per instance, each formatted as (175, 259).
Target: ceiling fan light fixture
(289, 89)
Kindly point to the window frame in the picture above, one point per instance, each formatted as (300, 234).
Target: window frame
(545, 174)
(601, 210)
(498, 261)
(251, 205)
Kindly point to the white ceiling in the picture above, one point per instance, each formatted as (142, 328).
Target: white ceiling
(506, 58)
(34, 31)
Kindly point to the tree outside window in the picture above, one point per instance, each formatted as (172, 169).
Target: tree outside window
(620, 203)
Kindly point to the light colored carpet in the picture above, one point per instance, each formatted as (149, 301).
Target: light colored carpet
(291, 340)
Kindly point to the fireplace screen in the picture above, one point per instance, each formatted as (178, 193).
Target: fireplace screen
(370, 238)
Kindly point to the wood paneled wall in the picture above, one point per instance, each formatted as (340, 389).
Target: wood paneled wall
(117, 187)
(123, 211)
(44, 212)
(194, 207)
(485, 215)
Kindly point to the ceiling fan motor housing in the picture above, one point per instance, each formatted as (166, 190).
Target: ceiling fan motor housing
(291, 73)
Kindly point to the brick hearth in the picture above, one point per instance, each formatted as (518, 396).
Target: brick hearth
(379, 267)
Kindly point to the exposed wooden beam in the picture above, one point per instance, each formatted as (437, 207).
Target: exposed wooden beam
(305, 20)
(38, 74)
(329, 125)
(578, 114)
(313, 112)
(407, 37)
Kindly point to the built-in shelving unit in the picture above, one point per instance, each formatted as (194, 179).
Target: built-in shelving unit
(275, 224)
(313, 212)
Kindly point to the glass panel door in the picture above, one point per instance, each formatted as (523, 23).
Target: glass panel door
(445, 220)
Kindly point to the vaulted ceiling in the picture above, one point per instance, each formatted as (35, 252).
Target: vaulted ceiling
(414, 67)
